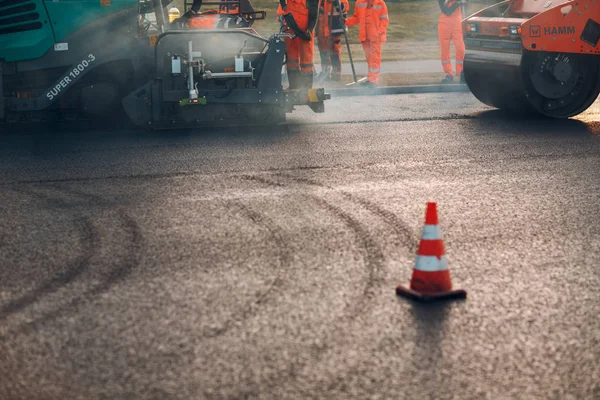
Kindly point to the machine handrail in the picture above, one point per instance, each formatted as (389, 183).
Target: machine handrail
(198, 32)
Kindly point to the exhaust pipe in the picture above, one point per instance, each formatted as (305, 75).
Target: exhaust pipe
(192, 89)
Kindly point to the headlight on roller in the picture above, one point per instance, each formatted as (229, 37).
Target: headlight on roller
(473, 28)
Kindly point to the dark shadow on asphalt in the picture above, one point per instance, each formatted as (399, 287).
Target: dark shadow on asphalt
(521, 122)
(70, 137)
(430, 320)
(430, 317)
(90, 127)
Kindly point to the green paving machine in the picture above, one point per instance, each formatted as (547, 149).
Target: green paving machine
(109, 59)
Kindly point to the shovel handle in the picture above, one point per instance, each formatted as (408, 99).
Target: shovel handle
(350, 55)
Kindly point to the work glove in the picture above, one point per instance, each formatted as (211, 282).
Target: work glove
(182, 22)
(187, 15)
(313, 14)
(304, 35)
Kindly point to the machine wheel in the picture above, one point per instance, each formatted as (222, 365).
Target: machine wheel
(560, 85)
(496, 84)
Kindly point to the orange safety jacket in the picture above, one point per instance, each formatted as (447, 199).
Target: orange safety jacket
(229, 9)
(298, 9)
(213, 19)
(450, 9)
(331, 20)
(372, 15)
(207, 20)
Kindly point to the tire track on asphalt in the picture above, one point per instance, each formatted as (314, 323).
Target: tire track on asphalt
(89, 199)
(46, 199)
(114, 276)
(264, 181)
(284, 262)
(228, 173)
(373, 258)
(88, 240)
(96, 200)
(373, 255)
(404, 232)
(131, 260)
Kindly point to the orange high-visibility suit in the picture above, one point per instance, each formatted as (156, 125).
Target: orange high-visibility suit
(330, 27)
(299, 17)
(373, 20)
(450, 28)
(224, 17)
(214, 19)
(208, 20)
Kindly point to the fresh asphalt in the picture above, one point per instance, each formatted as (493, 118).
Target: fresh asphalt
(262, 263)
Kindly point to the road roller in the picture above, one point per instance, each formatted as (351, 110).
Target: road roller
(537, 55)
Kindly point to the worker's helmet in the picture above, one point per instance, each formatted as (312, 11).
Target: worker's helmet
(174, 14)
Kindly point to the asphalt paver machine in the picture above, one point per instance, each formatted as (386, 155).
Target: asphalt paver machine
(541, 55)
(68, 59)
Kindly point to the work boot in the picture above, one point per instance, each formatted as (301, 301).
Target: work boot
(305, 80)
(295, 79)
(368, 84)
(448, 79)
(322, 76)
(462, 78)
(308, 80)
(336, 64)
(336, 76)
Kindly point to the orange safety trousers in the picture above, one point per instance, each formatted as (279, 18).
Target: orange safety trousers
(332, 46)
(450, 29)
(372, 17)
(299, 53)
(373, 55)
(329, 33)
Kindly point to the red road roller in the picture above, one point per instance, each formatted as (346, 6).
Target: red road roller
(539, 55)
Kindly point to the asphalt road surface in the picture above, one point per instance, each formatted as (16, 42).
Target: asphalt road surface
(234, 264)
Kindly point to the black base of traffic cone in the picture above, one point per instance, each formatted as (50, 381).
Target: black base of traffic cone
(428, 297)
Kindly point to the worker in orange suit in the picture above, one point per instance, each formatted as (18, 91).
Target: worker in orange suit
(206, 20)
(373, 20)
(298, 18)
(330, 27)
(450, 28)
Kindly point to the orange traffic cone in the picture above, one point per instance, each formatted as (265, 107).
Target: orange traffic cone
(431, 277)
